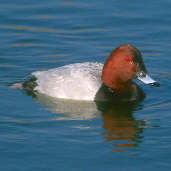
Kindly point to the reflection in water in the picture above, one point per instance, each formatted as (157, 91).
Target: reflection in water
(121, 127)
(72, 109)
(120, 124)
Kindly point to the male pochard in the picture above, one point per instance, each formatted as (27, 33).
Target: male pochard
(94, 81)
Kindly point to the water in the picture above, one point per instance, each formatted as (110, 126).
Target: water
(45, 133)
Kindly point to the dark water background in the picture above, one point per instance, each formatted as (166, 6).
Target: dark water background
(45, 134)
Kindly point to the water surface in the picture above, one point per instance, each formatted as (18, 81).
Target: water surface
(44, 133)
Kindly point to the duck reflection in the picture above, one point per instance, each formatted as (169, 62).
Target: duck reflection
(70, 109)
(120, 124)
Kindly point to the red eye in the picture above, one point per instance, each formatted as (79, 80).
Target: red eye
(128, 59)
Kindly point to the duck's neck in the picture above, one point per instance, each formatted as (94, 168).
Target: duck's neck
(118, 85)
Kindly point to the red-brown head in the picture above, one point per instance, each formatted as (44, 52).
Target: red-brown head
(124, 64)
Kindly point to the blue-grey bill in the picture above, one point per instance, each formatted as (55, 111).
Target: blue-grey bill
(148, 80)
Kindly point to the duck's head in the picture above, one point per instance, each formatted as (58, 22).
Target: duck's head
(124, 64)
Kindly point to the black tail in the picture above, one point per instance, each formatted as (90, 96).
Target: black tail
(29, 86)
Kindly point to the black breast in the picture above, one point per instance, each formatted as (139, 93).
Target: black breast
(109, 94)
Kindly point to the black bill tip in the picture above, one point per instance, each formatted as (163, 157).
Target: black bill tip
(155, 84)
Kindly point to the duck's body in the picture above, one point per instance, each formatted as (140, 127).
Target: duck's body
(95, 81)
(79, 81)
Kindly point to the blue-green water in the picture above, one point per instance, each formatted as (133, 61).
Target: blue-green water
(49, 134)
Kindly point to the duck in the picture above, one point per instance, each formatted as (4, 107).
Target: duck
(94, 81)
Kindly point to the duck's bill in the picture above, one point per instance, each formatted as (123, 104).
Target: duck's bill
(148, 80)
